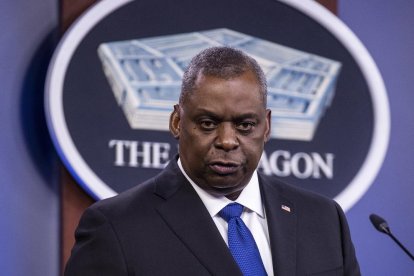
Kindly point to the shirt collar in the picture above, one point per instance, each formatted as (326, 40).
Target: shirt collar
(249, 197)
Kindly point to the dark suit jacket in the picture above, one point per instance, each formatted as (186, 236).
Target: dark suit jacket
(161, 227)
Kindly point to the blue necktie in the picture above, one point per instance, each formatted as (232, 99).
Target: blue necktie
(241, 242)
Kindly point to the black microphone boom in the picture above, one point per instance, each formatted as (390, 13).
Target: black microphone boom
(381, 225)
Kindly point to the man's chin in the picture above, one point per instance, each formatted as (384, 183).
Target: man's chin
(226, 190)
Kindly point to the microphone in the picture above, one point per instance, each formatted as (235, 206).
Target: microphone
(381, 225)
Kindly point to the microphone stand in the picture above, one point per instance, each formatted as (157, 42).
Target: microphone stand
(382, 226)
(400, 244)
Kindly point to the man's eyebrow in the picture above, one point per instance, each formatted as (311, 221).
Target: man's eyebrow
(247, 116)
(205, 112)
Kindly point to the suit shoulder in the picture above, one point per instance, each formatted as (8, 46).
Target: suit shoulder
(143, 199)
(135, 198)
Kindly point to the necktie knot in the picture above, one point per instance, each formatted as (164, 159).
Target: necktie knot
(232, 210)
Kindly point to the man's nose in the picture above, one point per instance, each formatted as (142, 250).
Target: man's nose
(226, 137)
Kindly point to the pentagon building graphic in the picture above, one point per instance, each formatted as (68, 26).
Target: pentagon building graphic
(145, 76)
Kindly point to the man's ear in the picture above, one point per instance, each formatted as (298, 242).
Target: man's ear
(175, 122)
(268, 124)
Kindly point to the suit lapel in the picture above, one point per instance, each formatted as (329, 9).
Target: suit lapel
(281, 219)
(187, 217)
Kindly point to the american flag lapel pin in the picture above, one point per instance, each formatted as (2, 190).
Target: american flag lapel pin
(285, 208)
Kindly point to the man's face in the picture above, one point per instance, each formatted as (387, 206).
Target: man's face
(222, 128)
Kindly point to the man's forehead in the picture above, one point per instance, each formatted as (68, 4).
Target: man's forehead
(224, 108)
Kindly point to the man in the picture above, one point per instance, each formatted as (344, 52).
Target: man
(178, 222)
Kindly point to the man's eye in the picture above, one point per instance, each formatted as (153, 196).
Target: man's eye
(245, 126)
(208, 125)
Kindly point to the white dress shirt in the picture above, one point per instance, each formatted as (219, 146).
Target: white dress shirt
(254, 215)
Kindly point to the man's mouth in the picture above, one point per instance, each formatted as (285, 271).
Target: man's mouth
(224, 168)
